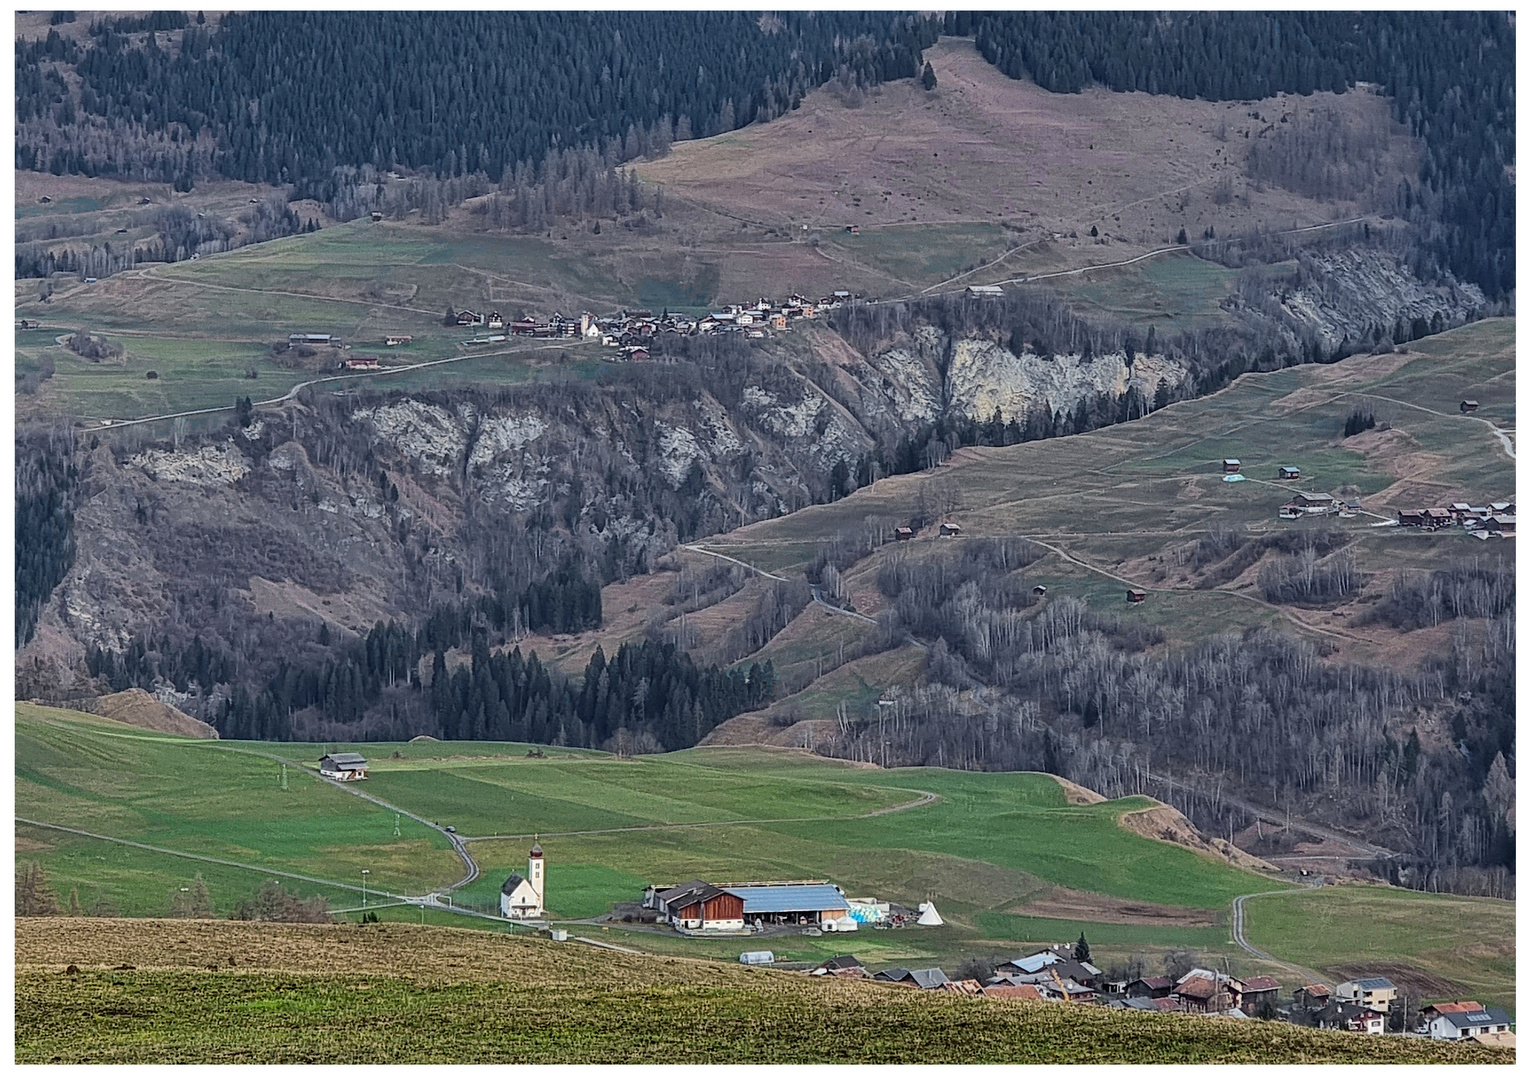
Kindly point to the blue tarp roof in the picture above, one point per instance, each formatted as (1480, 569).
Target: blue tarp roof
(775, 899)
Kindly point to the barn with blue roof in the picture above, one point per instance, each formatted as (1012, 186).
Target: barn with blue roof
(734, 907)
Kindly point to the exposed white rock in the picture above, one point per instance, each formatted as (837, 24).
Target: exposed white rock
(210, 466)
(678, 449)
(983, 376)
(499, 434)
(427, 434)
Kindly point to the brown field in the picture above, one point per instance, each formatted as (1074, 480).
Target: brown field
(986, 149)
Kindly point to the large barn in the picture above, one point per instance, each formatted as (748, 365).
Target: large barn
(703, 906)
(343, 767)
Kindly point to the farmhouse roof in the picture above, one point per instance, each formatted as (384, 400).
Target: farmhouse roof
(1198, 988)
(775, 899)
(1444, 1007)
(929, 978)
(841, 963)
(345, 761)
(1258, 983)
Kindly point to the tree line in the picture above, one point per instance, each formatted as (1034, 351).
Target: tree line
(288, 96)
(45, 541)
(1086, 695)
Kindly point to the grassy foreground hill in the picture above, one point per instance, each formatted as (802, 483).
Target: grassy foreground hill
(118, 991)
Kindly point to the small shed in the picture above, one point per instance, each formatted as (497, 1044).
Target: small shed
(1288, 472)
(904, 532)
(1137, 596)
(951, 528)
(1468, 405)
(1231, 464)
(1039, 590)
(990, 292)
(377, 215)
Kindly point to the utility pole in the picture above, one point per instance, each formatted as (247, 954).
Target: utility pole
(364, 886)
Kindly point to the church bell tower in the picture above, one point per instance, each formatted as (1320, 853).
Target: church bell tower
(535, 873)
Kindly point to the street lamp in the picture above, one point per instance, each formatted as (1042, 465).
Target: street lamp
(364, 886)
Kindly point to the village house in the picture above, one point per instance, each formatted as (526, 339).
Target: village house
(950, 528)
(1314, 502)
(1411, 517)
(842, 967)
(496, 322)
(1468, 1024)
(310, 339)
(921, 978)
(522, 897)
(360, 363)
(397, 339)
(1049, 960)
(1468, 405)
(1437, 517)
(1500, 524)
(1502, 508)
(1230, 465)
(1314, 996)
(1259, 993)
(984, 292)
(1153, 986)
(1137, 596)
(904, 532)
(1288, 472)
(343, 767)
(1348, 1016)
(1197, 993)
(1374, 992)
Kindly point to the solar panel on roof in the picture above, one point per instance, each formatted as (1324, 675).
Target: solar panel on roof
(774, 899)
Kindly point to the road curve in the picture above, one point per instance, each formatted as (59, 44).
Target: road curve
(1237, 927)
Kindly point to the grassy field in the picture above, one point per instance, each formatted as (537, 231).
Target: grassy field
(984, 848)
(200, 797)
(1004, 856)
(217, 992)
(1411, 937)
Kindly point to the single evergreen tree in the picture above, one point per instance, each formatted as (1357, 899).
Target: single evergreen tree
(928, 77)
(1082, 950)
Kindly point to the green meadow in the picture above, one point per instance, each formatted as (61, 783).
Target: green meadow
(982, 846)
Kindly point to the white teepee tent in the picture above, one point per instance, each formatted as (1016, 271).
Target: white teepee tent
(928, 916)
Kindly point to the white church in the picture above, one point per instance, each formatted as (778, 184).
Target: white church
(522, 897)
